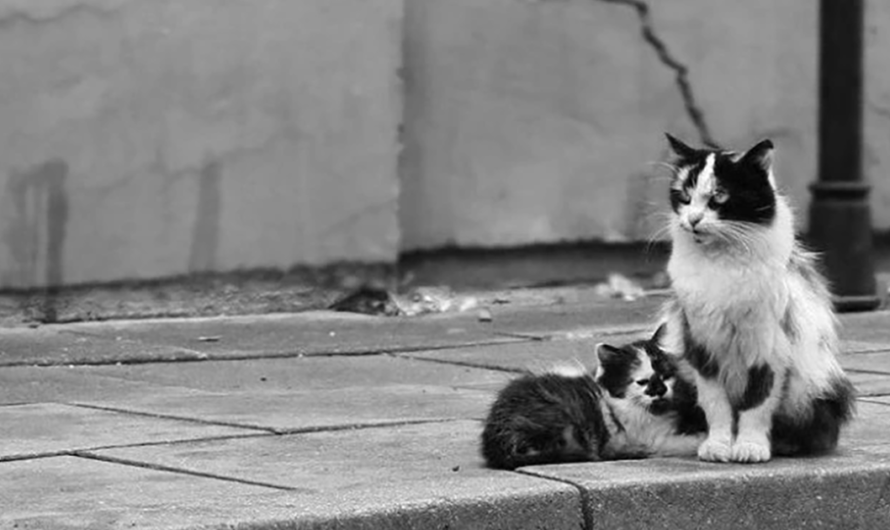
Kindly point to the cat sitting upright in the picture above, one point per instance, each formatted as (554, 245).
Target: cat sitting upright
(633, 407)
(750, 312)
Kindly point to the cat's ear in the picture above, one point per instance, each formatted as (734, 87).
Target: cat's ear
(679, 148)
(606, 353)
(760, 156)
(659, 334)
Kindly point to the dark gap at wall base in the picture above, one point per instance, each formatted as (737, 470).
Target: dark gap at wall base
(302, 288)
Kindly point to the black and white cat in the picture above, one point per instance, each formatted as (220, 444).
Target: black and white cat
(751, 313)
(634, 406)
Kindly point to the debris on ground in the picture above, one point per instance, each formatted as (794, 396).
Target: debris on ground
(620, 286)
(367, 301)
(423, 300)
(418, 301)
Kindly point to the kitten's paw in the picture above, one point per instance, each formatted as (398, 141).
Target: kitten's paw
(714, 451)
(750, 452)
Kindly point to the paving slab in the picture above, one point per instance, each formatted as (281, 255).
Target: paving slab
(436, 466)
(857, 346)
(49, 428)
(300, 373)
(51, 345)
(874, 361)
(881, 400)
(309, 333)
(873, 326)
(870, 384)
(25, 384)
(284, 412)
(577, 320)
(842, 491)
(520, 356)
(68, 493)
(870, 427)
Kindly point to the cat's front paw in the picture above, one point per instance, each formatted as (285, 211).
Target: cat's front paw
(714, 451)
(749, 452)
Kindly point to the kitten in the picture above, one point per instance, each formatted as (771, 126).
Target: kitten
(569, 415)
(651, 399)
(750, 313)
(653, 380)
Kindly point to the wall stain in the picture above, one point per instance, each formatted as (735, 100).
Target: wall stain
(205, 234)
(36, 231)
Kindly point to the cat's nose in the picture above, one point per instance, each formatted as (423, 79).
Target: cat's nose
(694, 218)
(656, 388)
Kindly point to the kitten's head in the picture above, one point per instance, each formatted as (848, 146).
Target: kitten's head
(544, 419)
(640, 372)
(722, 195)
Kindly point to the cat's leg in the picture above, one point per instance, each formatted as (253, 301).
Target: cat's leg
(755, 414)
(712, 398)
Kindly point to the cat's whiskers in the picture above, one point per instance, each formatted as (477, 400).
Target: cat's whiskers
(658, 235)
(671, 167)
(732, 233)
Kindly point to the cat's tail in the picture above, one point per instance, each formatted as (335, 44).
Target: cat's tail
(819, 432)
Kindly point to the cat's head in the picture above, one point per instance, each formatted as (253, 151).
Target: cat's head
(722, 195)
(640, 372)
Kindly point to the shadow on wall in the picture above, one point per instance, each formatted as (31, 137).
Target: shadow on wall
(38, 202)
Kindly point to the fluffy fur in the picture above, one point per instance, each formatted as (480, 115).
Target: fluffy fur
(633, 408)
(751, 314)
(653, 409)
(544, 419)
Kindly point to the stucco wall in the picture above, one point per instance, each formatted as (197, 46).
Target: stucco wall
(143, 139)
(152, 138)
(536, 121)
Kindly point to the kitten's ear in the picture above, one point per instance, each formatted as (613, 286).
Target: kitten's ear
(760, 156)
(679, 148)
(659, 334)
(606, 353)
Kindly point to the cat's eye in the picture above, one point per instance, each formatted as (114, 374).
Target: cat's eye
(682, 195)
(642, 382)
(719, 197)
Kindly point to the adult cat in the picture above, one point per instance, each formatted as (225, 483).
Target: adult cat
(751, 314)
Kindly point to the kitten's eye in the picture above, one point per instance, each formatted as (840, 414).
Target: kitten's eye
(681, 195)
(642, 382)
(718, 198)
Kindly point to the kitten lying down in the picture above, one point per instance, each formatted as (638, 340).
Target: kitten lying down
(635, 406)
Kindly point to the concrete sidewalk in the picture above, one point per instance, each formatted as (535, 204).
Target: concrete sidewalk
(324, 420)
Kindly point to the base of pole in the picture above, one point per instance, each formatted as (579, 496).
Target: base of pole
(840, 228)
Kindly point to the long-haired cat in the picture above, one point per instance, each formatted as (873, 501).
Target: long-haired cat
(751, 314)
(633, 407)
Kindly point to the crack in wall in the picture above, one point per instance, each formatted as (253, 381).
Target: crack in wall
(36, 14)
(668, 59)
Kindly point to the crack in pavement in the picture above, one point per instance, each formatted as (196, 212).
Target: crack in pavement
(465, 364)
(668, 59)
(584, 495)
(163, 416)
(190, 472)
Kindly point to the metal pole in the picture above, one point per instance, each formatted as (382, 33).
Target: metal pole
(840, 217)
